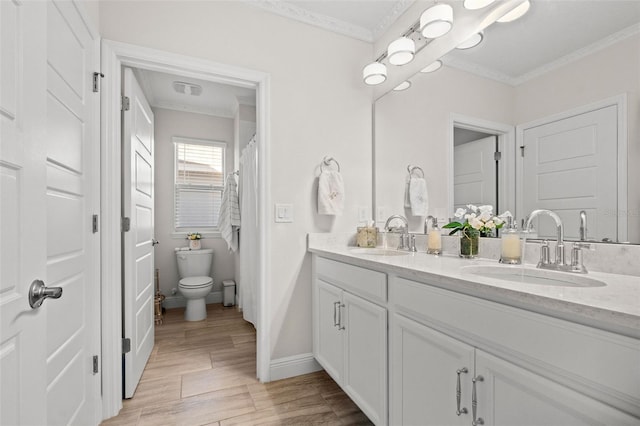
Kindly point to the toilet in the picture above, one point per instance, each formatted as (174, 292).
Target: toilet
(194, 268)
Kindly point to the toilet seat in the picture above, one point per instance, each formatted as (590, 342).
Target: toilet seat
(195, 282)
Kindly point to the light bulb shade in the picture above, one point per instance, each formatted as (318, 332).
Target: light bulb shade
(436, 21)
(401, 51)
(472, 41)
(374, 73)
(434, 66)
(402, 86)
(516, 13)
(476, 4)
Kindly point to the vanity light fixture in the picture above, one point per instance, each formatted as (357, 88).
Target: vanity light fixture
(401, 51)
(516, 13)
(472, 41)
(436, 21)
(434, 66)
(476, 4)
(374, 73)
(402, 86)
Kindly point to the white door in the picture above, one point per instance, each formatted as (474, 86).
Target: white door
(426, 367)
(50, 190)
(365, 372)
(509, 395)
(328, 340)
(567, 168)
(474, 173)
(138, 243)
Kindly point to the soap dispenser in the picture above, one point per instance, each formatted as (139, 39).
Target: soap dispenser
(434, 238)
(511, 251)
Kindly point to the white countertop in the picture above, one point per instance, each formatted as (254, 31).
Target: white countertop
(614, 307)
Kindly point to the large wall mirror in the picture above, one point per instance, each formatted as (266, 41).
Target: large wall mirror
(555, 93)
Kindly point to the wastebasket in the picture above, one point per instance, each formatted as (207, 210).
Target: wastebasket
(229, 292)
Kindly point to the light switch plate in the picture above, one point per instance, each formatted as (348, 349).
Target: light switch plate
(284, 213)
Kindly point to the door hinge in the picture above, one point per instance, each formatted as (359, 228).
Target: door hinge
(126, 103)
(521, 150)
(94, 223)
(125, 224)
(126, 345)
(497, 156)
(95, 364)
(96, 81)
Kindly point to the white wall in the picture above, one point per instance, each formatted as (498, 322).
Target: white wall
(318, 106)
(170, 123)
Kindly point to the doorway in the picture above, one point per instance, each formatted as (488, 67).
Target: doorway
(115, 56)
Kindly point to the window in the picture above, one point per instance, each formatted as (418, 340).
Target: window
(199, 182)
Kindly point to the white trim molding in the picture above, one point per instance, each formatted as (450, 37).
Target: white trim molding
(283, 368)
(116, 55)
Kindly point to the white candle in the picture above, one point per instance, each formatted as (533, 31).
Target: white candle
(435, 241)
(511, 247)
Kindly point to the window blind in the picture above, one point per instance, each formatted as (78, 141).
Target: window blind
(199, 182)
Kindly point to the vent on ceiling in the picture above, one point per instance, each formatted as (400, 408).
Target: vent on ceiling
(187, 88)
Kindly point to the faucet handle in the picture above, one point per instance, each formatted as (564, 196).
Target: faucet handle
(412, 244)
(577, 264)
(545, 257)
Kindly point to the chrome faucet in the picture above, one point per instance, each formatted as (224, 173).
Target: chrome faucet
(583, 225)
(404, 229)
(559, 263)
(560, 259)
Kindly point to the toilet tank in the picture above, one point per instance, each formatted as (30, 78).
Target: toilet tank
(194, 263)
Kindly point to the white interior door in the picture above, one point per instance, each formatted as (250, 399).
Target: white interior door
(567, 168)
(474, 173)
(50, 190)
(138, 261)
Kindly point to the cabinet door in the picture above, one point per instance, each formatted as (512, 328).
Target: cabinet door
(365, 373)
(510, 395)
(424, 376)
(329, 350)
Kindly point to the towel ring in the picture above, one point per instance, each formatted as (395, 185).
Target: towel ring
(413, 169)
(326, 161)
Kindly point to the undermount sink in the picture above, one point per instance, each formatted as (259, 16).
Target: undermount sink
(534, 276)
(378, 251)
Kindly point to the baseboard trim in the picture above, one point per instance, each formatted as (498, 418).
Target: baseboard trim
(178, 301)
(283, 368)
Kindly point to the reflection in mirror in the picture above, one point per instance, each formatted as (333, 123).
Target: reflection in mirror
(560, 103)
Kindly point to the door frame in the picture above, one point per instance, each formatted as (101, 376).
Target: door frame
(116, 55)
(506, 135)
(620, 101)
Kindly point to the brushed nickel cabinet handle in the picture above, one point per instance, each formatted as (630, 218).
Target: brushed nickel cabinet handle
(459, 392)
(474, 402)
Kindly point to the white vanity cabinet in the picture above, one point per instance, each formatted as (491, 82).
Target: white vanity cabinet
(350, 332)
(527, 368)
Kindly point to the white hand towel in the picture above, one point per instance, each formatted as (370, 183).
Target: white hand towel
(330, 193)
(418, 196)
(229, 220)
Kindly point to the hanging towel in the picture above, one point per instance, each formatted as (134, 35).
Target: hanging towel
(418, 196)
(330, 193)
(229, 221)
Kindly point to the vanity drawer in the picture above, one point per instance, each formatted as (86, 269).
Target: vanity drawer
(598, 363)
(362, 282)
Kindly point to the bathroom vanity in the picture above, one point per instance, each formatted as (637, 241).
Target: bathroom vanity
(417, 339)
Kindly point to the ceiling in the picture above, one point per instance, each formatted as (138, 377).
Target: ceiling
(552, 33)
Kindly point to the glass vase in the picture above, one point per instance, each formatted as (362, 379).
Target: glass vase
(469, 242)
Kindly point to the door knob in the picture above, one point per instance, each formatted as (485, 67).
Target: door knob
(154, 242)
(38, 292)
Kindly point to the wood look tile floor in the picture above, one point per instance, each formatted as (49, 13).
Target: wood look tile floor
(203, 373)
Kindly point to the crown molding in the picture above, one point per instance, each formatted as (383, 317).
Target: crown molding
(291, 11)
